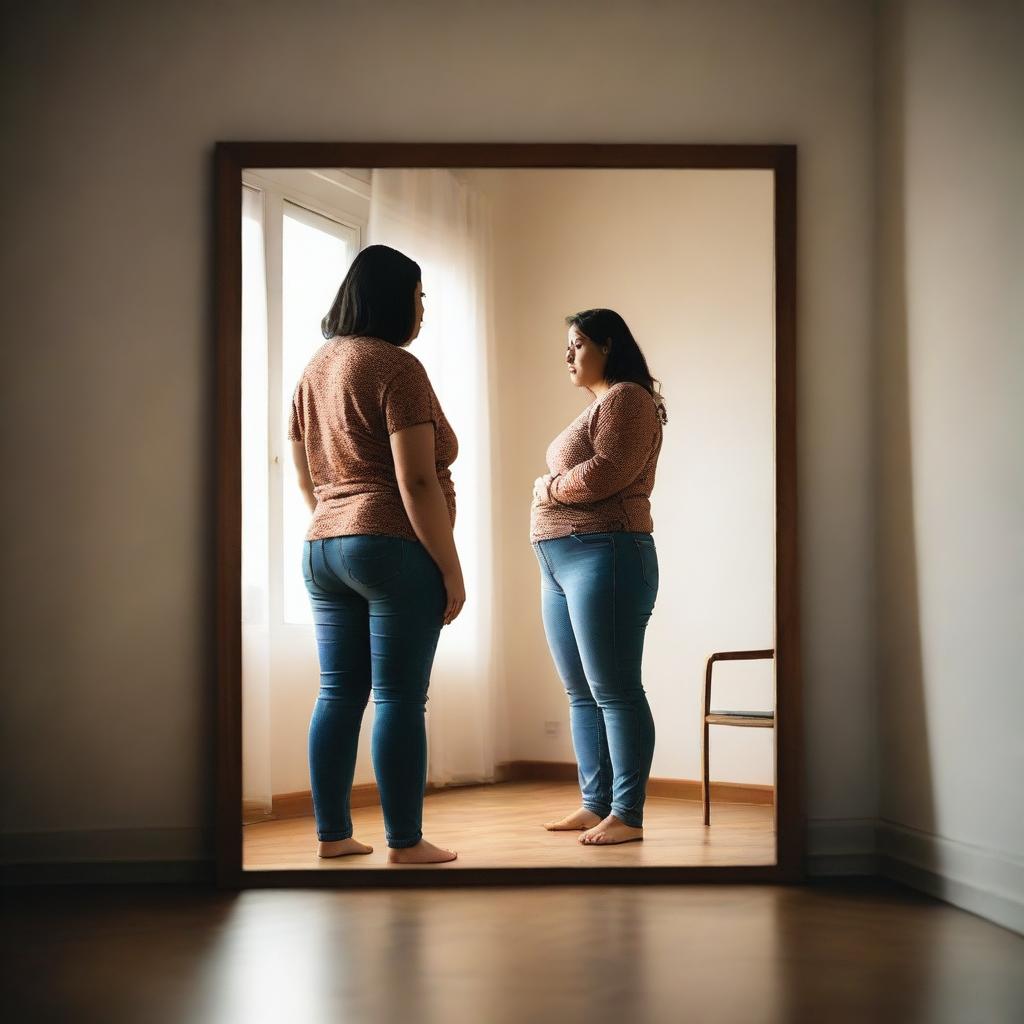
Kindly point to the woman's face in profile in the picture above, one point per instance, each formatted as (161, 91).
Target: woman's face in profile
(417, 313)
(585, 360)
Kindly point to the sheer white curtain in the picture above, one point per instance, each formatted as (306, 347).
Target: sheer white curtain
(442, 224)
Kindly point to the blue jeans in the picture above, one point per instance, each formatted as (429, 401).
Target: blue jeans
(597, 595)
(377, 604)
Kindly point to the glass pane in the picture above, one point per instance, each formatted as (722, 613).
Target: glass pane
(316, 254)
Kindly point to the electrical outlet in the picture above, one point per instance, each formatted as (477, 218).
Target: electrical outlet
(552, 728)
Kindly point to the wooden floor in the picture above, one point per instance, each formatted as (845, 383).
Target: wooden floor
(500, 826)
(821, 954)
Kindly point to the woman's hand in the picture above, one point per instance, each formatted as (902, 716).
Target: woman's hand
(541, 489)
(455, 588)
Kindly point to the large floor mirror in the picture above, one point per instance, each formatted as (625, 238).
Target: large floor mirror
(695, 247)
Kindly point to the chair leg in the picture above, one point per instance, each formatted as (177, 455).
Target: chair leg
(705, 785)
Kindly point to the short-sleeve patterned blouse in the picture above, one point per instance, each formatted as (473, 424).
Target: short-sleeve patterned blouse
(603, 464)
(353, 395)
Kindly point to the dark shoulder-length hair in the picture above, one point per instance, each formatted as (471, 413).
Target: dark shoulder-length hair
(376, 298)
(625, 360)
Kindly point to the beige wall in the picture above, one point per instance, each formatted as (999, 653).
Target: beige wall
(950, 414)
(686, 257)
(111, 113)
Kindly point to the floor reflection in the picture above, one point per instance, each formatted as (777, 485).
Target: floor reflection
(851, 951)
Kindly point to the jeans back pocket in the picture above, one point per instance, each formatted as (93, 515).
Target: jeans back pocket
(648, 559)
(372, 560)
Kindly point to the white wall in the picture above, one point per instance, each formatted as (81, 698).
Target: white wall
(950, 413)
(112, 111)
(686, 257)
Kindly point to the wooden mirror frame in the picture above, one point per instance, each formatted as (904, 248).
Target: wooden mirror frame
(230, 159)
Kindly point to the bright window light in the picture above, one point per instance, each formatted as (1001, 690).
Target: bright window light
(316, 254)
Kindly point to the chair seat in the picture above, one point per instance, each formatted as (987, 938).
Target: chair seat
(747, 719)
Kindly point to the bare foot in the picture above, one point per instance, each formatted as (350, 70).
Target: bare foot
(342, 848)
(610, 832)
(575, 822)
(422, 853)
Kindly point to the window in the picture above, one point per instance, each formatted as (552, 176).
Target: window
(316, 253)
(300, 233)
(255, 468)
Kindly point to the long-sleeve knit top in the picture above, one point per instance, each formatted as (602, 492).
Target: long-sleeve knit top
(603, 467)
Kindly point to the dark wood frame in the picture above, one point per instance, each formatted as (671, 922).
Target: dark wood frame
(230, 159)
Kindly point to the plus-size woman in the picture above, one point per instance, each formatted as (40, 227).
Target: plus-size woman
(372, 449)
(591, 529)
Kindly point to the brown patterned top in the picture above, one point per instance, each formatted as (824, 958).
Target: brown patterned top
(603, 465)
(353, 395)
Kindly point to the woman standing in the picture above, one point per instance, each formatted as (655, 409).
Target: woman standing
(372, 449)
(591, 530)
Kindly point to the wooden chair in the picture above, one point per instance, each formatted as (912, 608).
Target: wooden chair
(747, 719)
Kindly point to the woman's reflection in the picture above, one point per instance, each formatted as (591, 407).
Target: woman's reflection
(592, 531)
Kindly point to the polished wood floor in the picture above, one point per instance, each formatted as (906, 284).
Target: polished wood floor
(500, 826)
(822, 954)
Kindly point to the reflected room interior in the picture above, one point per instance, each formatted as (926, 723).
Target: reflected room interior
(686, 256)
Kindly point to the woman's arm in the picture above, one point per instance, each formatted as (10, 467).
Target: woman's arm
(416, 471)
(302, 469)
(624, 434)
